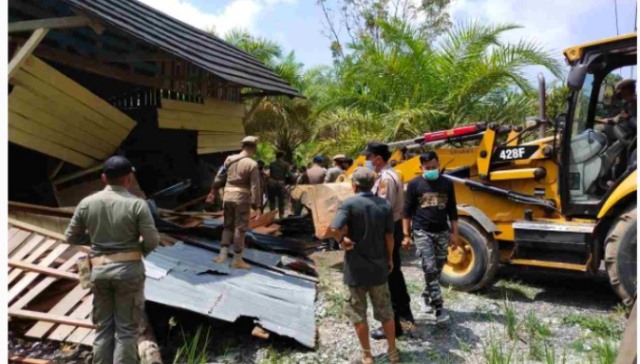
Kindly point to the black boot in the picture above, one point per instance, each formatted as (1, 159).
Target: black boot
(378, 334)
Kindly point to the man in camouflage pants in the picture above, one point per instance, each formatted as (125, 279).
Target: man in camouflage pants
(430, 200)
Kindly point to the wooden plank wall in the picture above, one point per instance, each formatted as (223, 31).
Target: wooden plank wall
(219, 123)
(54, 115)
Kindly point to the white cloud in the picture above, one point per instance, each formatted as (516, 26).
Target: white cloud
(236, 14)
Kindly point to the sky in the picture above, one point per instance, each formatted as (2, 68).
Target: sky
(298, 24)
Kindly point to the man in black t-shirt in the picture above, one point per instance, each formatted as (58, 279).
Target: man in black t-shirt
(429, 202)
(368, 259)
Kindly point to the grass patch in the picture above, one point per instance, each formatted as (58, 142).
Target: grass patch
(194, 350)
(414, 287)
(550, 356)
(495, 351)
(600, 326)
(335, 303)
(579, 346)
(511, 320)
(517, 287)
(450, 295)
(605, 351)
(276, 356)
(535, 327)
(464, 346)
(621, 310)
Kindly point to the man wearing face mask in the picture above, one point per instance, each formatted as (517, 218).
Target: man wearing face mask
(430, 201)
(389, 186)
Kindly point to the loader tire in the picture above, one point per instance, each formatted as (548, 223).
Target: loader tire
(620, 255)
(479, 263)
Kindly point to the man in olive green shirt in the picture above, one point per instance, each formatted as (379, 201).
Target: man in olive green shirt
(279, 173)
(120, 230)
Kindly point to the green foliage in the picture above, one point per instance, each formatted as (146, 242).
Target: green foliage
(511, 321)
(535, 327)
(495, 351)
(600, 326)
(193, 351)
(605, 351)
(517, 287)
(400, 86)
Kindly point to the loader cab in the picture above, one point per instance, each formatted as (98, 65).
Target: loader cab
(594, 157)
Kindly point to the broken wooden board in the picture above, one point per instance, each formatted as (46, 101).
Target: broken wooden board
(36, 263)
(70, 193)
(323, 201)
(52, 114)
(219, 123)
(263, 220)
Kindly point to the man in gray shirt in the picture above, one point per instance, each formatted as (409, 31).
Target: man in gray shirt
(120, 230)
(368, 246)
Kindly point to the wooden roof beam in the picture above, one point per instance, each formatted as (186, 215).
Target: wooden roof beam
(50, 23)
(26, 50)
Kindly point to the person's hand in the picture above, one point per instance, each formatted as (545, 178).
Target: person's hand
(346, 244)
(454, 241)
(406, 243)
(210, 197)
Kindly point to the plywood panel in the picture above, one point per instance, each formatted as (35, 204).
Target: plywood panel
(98, 120)
(29, 125)
(44, 146)
(63, 83)
(210, 106)
(170, 119)
(77, 124)
(213, 140)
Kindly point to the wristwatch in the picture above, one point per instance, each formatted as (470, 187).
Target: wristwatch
(407, 235)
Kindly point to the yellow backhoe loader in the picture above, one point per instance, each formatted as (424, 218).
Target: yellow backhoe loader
(555, 194)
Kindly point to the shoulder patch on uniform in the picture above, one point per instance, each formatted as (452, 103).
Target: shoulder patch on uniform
(383, 186)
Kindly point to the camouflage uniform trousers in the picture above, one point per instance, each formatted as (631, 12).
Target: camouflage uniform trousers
(432, 250)
(356, 307)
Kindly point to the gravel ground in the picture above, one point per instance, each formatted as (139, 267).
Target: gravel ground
(546, 315)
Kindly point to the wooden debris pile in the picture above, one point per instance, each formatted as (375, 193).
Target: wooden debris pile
(263, 224)
(46, 301)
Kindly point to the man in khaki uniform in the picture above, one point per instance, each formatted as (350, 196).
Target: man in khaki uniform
(113, 222)
(279, 171)
(317, 173)
(339, 167)
(241, 194)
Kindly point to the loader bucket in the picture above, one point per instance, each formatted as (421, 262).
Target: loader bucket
(323, 201)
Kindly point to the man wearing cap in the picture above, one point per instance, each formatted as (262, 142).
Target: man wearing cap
(389, 186)
(316, 173)
(241, 194)
(279, 172)
(120, 230)
(368, 246)
(338, 168)
(625, 90)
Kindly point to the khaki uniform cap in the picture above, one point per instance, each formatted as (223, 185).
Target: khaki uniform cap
(339, 157)
(250, 140)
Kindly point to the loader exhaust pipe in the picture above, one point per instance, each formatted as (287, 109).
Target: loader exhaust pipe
(542, 100)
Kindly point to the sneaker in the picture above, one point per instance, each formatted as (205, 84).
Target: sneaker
(442, 315)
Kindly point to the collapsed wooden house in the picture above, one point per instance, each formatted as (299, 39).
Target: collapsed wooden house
(89, 79)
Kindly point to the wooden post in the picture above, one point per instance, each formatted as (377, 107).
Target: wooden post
(26, 50)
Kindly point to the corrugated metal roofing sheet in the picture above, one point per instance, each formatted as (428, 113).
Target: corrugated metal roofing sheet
(184, 276)
(185, 41)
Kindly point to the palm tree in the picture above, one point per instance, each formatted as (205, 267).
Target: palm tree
(282, 122)
(404, 86)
